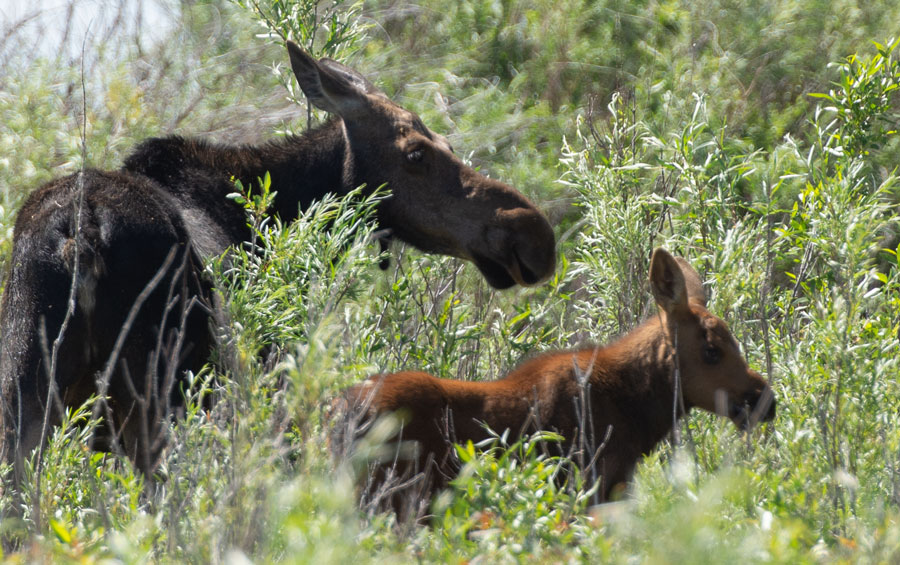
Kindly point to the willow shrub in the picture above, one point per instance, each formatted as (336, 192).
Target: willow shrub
(809, 291)
(792, 235)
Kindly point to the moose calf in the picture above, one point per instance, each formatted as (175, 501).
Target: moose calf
(628, 387)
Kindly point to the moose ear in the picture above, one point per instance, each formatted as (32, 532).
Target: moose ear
(328, 84)
(692, 281)
(667, 281)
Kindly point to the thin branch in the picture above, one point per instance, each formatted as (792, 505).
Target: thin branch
(52, 393)
(104, 378)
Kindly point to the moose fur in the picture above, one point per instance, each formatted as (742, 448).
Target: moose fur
(628, 387)
(128, 247)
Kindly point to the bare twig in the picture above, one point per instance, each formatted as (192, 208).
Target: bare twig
(52, 393)
(103, 380)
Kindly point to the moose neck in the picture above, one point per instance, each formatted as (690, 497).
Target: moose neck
(640, 368)
(303, 168)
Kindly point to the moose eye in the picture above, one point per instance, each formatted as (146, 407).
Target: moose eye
(711, 354)
(415, 156)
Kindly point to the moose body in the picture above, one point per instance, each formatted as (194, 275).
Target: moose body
(128, 247)
(628, 390)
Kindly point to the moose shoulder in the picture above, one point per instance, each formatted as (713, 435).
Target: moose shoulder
(628, 390)
(128, 246)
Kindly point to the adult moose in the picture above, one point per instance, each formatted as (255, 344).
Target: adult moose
(133, 242)
(627, 391)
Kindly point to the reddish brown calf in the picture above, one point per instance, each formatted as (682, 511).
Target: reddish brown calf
(629, 387)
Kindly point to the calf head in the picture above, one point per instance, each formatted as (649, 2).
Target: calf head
(437, 203)
(714, 374)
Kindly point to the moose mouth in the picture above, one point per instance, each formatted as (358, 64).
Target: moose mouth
(504, 275)
(748, 412)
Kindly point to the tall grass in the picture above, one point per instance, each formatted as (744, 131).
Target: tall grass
(665, 124)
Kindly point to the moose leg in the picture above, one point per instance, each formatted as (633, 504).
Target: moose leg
(22, 423)
(43, 355)
(165, 333)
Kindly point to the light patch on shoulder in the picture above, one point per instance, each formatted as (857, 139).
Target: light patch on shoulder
(206, 236)
(90, 269)
(87, 288)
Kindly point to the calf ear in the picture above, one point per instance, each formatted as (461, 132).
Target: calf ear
(328, 84)
(667, 281)
(692, 281)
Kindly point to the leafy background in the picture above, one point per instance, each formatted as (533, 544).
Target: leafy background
(756, 139)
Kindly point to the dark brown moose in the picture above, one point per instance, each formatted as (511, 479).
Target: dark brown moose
(628, 389)
(133, 242)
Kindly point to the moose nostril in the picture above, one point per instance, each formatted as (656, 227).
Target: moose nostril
(528, 275)
(521, 239)
(535, 254)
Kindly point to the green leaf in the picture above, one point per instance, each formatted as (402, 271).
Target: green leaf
(62, 533)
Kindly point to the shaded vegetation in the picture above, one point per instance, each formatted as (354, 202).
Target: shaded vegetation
(634, 124)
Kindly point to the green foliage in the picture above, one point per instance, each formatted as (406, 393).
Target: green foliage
(666, 123)
(324, 29)
(509, 503)
(862, 100)
(279, 291)
(800, 287)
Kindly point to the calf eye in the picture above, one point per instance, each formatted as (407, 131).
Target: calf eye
(711, 354)
(415, 156)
